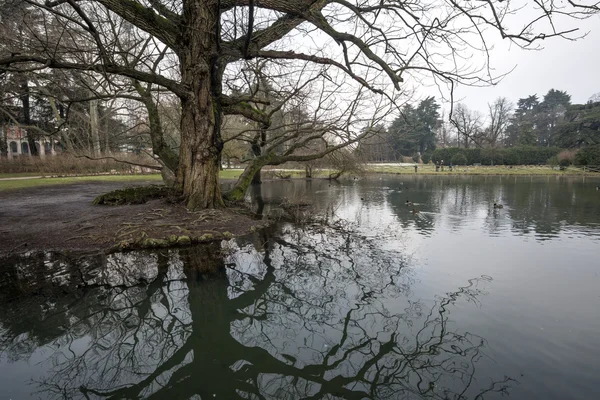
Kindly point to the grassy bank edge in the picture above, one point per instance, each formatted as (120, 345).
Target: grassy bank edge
(8, 181)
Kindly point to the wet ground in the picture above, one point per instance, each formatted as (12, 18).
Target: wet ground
(62, 218)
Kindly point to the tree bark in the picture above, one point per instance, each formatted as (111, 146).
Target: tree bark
(201, 142)
(245, 179)
(94, 128)
(168, 156)
(3, 142)
(308, 171)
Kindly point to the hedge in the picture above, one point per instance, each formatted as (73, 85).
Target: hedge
(525, 155)
(426, 157)
(589, 155)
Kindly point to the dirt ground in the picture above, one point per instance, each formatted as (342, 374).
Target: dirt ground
(62, 218)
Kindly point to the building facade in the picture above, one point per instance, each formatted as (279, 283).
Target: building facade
(18, 146)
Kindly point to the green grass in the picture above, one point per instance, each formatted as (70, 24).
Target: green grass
(295, 173)
(471, 170)
(230, 173)
(28, 183)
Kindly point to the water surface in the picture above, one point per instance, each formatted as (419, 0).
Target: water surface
(458, 301)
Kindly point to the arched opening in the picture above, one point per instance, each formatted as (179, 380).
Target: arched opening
(47, 148)
(24, 148)
(37, 146)
(14, 147)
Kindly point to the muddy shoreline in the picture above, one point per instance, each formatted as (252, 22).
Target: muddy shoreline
(63, 219)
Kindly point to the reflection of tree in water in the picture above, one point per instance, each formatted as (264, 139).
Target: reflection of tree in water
(301, 313)
(541, 205)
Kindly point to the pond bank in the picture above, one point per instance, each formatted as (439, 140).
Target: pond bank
(62, 218)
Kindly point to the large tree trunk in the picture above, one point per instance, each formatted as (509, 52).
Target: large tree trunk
(201, 142)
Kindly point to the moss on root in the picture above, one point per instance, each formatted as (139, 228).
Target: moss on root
(135, 195)
(144, 242)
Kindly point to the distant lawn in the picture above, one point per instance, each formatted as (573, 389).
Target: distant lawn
(230, 173)
(27, 183)
(471, 170)
(295, 173)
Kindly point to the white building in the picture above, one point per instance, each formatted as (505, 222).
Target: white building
(16, 139)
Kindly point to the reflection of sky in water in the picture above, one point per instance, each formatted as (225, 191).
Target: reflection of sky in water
(541, 249)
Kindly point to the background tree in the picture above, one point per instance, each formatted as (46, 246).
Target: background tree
(522, 127)
(377, 145)
(469, 126)
(580, 126)
(551, 110)
(499, 114)
(414, 130)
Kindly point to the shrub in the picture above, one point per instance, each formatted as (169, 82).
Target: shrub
(492, 156)
(473, 156)
(512, 157)
(415, 157)
(426, 157)
(459, 159)
(566, 158)
(552, 161)
(589, 155)
(523, 155)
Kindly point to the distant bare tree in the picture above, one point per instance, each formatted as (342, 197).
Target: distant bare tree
(468, 124)
(499, 114)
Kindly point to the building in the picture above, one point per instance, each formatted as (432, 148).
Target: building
(16, 140)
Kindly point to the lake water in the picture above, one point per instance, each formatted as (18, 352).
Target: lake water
(361, 299)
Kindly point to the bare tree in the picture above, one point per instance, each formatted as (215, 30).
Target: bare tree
(499, 114)
(468, 124)
(374, 43)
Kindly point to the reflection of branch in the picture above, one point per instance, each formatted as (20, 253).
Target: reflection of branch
(318, 286)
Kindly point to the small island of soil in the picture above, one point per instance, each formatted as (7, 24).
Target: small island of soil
(63, 218)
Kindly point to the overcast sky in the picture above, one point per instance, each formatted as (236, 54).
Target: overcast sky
(562, 64)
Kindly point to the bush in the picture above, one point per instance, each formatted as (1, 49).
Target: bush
(512, 157)
(523, 155)
(553, 161)
(492, 156)
(566, 158)
(415, 157)
(445, 154)
(473, 156)
(589, 155)
(426, 157)
(459, 159)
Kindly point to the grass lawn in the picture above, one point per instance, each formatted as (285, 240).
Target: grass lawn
(295, 173)
(471, 170)
(26, 183)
